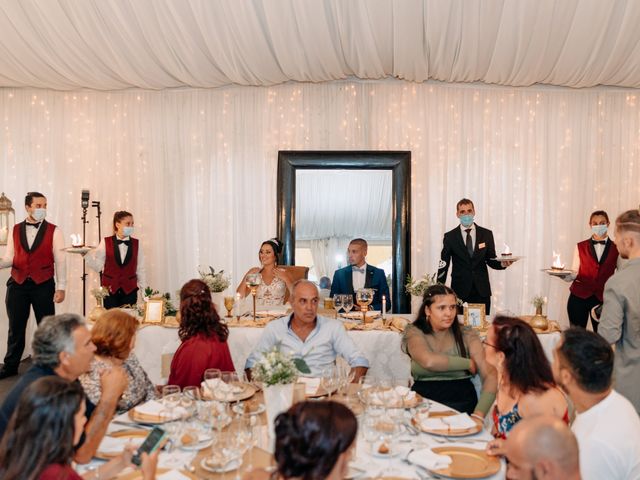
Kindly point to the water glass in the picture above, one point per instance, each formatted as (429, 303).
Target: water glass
(337, 303)
(347, 303)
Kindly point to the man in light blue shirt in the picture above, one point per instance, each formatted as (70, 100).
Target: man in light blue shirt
(303, 334)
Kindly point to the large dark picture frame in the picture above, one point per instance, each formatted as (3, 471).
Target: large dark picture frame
(399, 162)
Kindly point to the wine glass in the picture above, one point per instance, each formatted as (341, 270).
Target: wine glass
(364, 297)
(329, 379)
(212, 379)
(229, 302)
(337, 303)
(171, 398)
(347, 303)
(231, 383)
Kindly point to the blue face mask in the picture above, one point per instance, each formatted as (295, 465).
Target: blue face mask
(466, 220)
(39, 214)
(127, 231)
(599, 230)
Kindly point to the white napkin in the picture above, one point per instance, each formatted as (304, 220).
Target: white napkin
(220, 388)
(117, 444)
(153, 407)
(429, 460)
(311, 384)
(453, 422)
(172, 475)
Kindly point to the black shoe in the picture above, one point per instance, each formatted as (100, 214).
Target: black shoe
(7, 372)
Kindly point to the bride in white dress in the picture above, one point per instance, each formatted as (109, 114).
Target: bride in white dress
(275, 282)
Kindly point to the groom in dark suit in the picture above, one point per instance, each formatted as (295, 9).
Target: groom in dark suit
(358, 275)
(471, 248)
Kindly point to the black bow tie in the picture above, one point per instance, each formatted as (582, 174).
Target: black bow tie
(126, 242)
(601, 242)
(35, 225)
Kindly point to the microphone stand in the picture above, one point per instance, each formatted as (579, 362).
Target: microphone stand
(96, 204)
(84, 266)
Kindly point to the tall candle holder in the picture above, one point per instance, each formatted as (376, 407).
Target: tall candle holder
(364, 297)
(252, 281)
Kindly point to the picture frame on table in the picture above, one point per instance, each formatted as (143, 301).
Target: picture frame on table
(154, 311)
(475, 316)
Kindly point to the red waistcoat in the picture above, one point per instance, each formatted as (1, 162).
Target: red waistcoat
(593, 275)
(122, 275)
(36, 263)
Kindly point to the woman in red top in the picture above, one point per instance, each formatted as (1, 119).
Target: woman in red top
(44, 429)
(203, 336)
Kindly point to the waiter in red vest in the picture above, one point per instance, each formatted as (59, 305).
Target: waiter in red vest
(120, 260)
(594, 261)
(34, 252)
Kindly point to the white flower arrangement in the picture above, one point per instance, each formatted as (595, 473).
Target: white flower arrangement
(100, 293)
(278, 368)
(538, 301)
(216, 281)
(417, 287)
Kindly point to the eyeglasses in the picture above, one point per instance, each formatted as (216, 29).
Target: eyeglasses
(484, 342)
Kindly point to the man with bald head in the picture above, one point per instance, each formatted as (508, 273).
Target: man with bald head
(542, 448)
(304, 334)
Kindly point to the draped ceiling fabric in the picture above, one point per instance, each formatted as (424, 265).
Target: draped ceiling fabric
(156, 44)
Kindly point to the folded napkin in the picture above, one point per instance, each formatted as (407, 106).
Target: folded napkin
(172, 475)
(427, 459)
(461, 421)
(217, 386)
(157, 409)
(311, 385)
(116, 444)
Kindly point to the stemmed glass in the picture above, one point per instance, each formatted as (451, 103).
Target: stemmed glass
(252, 281)
(229, 302)
(347, 303)
(171, 399)
(329, 379)
(337, 303)
(364, 297)
(231, 380)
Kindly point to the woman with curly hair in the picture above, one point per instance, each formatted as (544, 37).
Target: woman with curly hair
(203, 336)
(314, 441)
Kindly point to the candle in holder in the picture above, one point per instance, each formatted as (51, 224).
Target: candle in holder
(557, 263)
(384, 307)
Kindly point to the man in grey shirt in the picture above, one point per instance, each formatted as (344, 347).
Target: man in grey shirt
(620, 318)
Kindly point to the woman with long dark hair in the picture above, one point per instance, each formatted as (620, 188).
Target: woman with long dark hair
(314, 441)
(525, 381)
(276, 284)
(203, 336)
(44, 430)
(119, 258)
(444, 356)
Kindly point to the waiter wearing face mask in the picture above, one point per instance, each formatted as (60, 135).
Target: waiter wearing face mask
(594, 260)
(470, 248)
(121, 262)
(34, 252)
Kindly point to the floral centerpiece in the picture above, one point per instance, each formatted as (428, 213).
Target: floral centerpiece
(169, 309)
(417, 287)
(99, 294)
(216, 281)
(277, 371)
(539, 320)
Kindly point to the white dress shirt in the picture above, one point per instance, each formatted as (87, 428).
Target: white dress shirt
(608, 437)
(463, 230)
(95, 260)
(359, 278)
(59, 257)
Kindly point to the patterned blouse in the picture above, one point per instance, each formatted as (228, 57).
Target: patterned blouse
(139, 389)
(272, 293)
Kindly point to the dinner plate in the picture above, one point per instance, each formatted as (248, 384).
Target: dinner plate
(466, 463)
(132, 434)
(557, 273)
(449, 432)
(81, 249)
(227, 467)
(248, 391)
(146, 418)
(510, 258)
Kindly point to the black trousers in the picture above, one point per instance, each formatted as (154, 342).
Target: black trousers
(475, 297)
(19, 300)
(457, 394)
(118, 299)
(578, 310)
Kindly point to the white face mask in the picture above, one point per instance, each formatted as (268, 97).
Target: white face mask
(39, 214)
(127, 231)
(599, 230)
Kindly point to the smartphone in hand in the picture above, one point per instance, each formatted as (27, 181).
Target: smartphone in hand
(151, 444)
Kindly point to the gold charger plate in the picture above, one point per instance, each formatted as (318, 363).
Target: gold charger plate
(139, 417)
(131, 433)
(467, 463)
(248, 391)
(137, 475)
(417, 400)
(449, 432)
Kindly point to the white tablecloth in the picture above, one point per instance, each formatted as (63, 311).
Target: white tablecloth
(381, 348)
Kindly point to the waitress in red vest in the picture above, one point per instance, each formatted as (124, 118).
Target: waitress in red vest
(120, 260)
(595, 261)
(34, 252)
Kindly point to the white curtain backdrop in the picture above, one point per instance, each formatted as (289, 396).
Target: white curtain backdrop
(198, 167)
(325, 253)
(155, 44)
